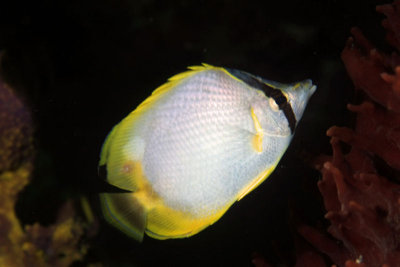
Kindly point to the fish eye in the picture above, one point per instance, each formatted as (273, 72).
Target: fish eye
(280, 100)
(273, 104)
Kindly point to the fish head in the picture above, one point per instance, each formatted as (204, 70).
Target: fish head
(292, 98)
(298, 95)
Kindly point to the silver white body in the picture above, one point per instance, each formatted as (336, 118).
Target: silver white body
(195, 140)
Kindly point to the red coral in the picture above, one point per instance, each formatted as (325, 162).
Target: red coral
(364, 65)
(364, 206)
(391, 23)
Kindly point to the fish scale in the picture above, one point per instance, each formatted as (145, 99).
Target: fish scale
(199, 143)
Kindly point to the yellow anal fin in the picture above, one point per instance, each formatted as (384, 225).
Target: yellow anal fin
(125, 212)
(257, 140)
(129, 211)
(256, 182)
(164, 222)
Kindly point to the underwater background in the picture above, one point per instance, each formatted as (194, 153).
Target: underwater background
(81, 66)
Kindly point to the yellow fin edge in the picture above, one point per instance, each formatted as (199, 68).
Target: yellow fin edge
(157, 93)
(125, 213)
(128, 211)
(164, 222)
(106, 146)
(147, 103)
(172, 82)
(256, 182)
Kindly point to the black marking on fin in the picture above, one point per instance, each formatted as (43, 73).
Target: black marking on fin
(276, 94)
(102, 186)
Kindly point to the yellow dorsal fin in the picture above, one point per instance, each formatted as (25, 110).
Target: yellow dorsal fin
(172, 82)
(157, 93)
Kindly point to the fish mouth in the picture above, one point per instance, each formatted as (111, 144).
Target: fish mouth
(313, 88)
(308, 86)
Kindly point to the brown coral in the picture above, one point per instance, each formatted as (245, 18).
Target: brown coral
(56, 245)
(363, 206)
(15, 130)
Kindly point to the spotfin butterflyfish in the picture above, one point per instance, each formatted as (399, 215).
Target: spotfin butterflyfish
(198, 144)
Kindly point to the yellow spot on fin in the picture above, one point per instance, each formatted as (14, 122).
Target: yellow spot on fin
(257, 140)
(256, 182)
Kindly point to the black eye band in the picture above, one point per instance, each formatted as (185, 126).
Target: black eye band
(276, 94)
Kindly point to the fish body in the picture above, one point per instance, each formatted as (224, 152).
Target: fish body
(199, 143)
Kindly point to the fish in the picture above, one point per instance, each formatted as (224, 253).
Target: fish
(199, 143)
